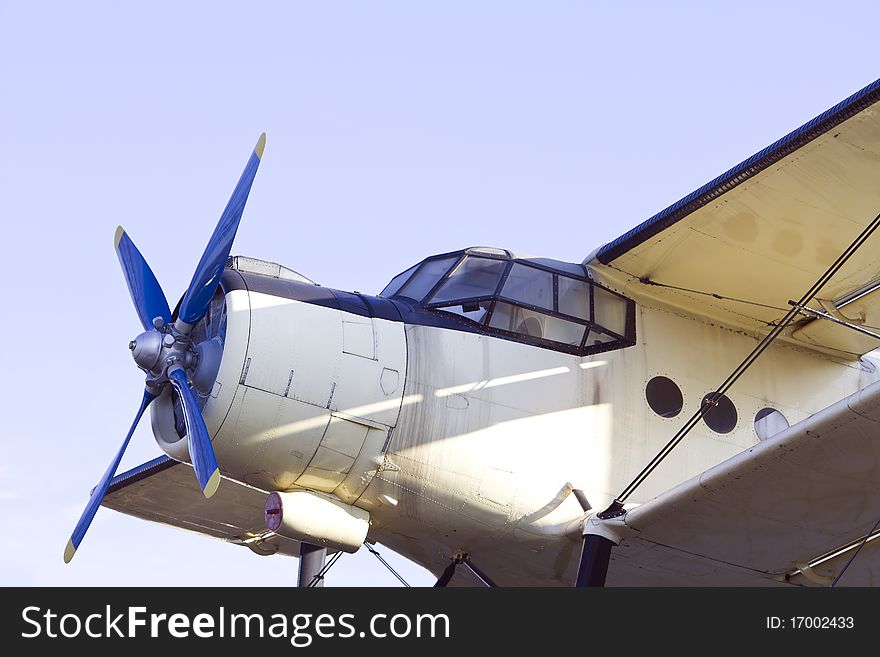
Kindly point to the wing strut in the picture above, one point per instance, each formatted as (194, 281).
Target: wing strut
(311, 565)
(463, 558)
(317, 580)
(818, 314)
(594, 560)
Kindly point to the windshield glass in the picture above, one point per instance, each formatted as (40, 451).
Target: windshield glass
(535, 300)
(426, 278)
(473, 278)
(397, 282)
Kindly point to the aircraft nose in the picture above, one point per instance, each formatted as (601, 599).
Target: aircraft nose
(319, 389)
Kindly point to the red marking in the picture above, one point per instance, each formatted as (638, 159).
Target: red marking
(273, 512)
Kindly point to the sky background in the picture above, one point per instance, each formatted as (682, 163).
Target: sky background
(395, 130)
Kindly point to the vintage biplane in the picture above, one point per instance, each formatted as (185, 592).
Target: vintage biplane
(693, 404)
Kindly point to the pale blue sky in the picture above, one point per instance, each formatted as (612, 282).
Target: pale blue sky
(395, 130)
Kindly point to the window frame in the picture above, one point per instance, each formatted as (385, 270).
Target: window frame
(590, 325)
(460, 263)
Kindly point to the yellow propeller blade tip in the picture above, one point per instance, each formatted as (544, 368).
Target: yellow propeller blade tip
(213, 483)
(69, 551)
(119, 233)
(261, 144)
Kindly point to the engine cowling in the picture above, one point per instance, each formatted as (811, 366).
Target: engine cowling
(308, 390)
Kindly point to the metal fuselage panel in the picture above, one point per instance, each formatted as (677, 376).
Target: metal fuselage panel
(458, 441)
(483, 459)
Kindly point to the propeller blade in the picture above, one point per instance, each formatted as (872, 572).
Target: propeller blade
(207, 275)
(201, 452)
(101, 489)
(145, 291)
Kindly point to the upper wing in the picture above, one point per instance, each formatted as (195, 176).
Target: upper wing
(165, 491)
(790, 509)
(739, 248)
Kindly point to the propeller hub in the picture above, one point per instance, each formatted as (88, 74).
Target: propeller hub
(146, 349)
(155, 351)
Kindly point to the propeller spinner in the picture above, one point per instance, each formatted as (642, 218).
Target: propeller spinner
(165, 351)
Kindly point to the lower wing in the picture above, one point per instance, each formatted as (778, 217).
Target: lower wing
(165, 491)
(792, 509)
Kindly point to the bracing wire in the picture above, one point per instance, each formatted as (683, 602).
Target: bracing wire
(856, 553)
(327, 566)
(375, 553)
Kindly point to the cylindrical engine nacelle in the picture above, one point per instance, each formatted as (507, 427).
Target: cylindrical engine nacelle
(318, 519)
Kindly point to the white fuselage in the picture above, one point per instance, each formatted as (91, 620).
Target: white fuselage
(460, 442)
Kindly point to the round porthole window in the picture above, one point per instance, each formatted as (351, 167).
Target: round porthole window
(664, 396)
(721, 418)
(769, 422)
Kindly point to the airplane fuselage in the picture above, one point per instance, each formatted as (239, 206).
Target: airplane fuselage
(457, 441)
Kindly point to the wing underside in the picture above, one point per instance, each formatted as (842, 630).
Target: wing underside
(165, 491)
(792, 509)
(739, 248)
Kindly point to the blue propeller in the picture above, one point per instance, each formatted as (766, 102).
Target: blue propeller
(98, 493)
(165, 351)
(199, 441)
(207, 275)
(146, 293)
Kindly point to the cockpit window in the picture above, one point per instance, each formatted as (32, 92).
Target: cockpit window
(608, 311)
(475, 277)
(529, 285)
(523, 321)
(543, 302)
(397, 282)
(574, 297)
(424, 280)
